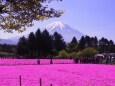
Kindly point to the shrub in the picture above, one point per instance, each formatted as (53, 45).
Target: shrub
(79, 54)
(76, 56)
(88, 52)
(73, 54)
(63, 54)
(5, 54)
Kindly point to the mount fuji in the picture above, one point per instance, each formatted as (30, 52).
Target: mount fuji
(65, 30)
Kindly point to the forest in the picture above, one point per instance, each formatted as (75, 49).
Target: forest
(43, 45)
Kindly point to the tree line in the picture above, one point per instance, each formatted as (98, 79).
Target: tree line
(7, 50)
(40, 44)
(102, 45)
(43, 45)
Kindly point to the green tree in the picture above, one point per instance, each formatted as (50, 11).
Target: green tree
(81, 44)
(72, 47)
(110, 46)
(74, 41)
(31, 42)
(73, 54)
(87, 41)
(47, 45)
(95, 42)
(63, 54)
(22, 47)
(103, 43)
(20, 14)
(59, 42)
(88, 52)
(38, 42)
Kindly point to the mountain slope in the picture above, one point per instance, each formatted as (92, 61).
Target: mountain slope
(7, 41)
(12, 40)
(65, 30)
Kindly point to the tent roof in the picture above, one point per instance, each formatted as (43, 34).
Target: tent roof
(99, 55)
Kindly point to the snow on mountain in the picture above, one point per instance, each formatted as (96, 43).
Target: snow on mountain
(65, 30)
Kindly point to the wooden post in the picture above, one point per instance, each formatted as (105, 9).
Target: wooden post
(20, 81)
(40, 82)
(50, 84)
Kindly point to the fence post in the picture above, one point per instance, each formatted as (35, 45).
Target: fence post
(20, 80)
(40, 82)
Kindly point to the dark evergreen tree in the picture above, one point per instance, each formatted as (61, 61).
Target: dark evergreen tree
(47, 44)
(92, 41)
(38, 43)
(72, 47)
(31, 42)
(106, 45)
(111, 46)
(87, 41)
(81, 44)
(22, 48)
(74, 40)
(95, 42)
(103, 43)
(111, 42)
(59, 42)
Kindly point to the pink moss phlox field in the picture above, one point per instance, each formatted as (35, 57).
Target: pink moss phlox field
(33, 61)
(57, 74)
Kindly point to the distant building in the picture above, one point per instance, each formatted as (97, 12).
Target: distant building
(99, 55)
(112, 55)
(105, 58)
(105, 55)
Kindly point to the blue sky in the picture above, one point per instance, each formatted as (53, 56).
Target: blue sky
(91, 17)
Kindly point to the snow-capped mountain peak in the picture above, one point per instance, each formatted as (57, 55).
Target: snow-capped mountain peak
(64, 29)
(55, 25)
